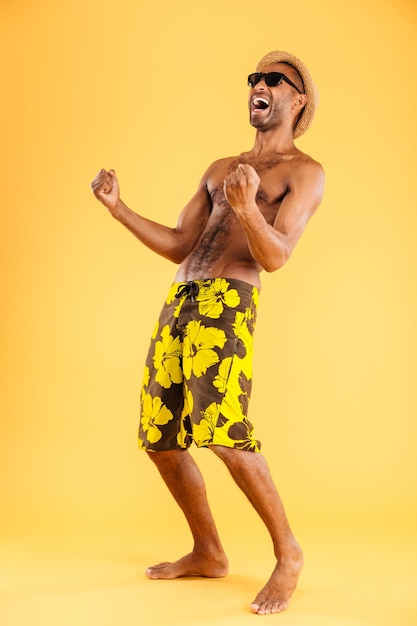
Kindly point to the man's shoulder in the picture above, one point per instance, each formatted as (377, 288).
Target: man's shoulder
(306, 174)
(302, 159)
(304, 164)
(219, 168)
(222, 163)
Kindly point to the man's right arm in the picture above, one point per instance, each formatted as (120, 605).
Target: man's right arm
(172, 243)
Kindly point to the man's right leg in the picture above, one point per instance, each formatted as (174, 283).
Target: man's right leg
(184, 480)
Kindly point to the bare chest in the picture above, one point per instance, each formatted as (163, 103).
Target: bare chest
(271, 191)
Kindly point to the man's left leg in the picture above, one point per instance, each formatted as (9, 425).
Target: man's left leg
(251, 473)
(184, 480)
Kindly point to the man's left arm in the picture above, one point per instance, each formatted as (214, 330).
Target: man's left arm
(272, 245)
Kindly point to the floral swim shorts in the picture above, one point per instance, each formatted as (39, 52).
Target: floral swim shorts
(198, 374)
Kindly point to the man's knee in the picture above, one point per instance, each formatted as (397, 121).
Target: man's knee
(224, 452)
(234, 457)
(164, 456)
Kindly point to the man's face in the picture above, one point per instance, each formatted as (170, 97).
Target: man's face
(268, 106)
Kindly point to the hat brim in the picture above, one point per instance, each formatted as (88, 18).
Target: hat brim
(310, 89)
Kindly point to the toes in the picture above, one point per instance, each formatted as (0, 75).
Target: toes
(154, 571)
(268, 608)
(261, 609)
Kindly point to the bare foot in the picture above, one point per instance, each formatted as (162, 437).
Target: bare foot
(190, 565)
(276, 594)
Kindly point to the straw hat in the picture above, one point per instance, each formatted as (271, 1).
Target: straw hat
(310, 89)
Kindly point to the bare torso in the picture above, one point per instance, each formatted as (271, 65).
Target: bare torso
(222, 249)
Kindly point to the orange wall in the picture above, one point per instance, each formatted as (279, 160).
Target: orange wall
(158, 91)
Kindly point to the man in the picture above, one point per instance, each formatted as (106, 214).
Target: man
(247, 215)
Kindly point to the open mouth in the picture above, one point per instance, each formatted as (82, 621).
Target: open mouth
(260, 104)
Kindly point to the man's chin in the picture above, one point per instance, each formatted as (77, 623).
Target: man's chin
(257, 122)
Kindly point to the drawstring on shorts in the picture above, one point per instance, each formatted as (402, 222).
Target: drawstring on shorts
(190, 289)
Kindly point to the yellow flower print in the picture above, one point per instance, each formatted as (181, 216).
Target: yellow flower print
(220, 381)
(177, 309)
(146, 377)
(154, 414)
(167, 359)
(199, 342)
(241, 330)
(242, 434)
(251, 310)
(215, 296)
(188, 400)
(184, 436)
(204, 430)
(244, 347)
(155, 330)
(172, 296)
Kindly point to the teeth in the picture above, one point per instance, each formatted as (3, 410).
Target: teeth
(259, 101)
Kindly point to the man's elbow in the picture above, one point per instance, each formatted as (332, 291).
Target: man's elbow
(277, 261)
(177, 254)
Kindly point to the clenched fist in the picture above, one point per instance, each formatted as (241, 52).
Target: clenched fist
(240, 187)
(105, 187)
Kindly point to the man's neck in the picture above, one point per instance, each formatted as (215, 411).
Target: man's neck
(272, 142)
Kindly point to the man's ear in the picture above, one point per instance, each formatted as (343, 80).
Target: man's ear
(300, 102)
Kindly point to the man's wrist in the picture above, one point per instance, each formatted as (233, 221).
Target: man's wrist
(119, 209)
(247, 210)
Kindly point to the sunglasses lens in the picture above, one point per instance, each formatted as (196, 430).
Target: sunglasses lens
(253, 79)
(273, 79)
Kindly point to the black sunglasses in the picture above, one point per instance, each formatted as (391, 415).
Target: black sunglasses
(272, 79)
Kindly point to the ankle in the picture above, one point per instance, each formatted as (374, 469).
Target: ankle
(212, 551)
(289, 552)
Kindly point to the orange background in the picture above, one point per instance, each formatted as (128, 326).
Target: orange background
(158, 92)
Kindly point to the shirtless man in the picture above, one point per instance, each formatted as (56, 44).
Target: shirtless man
(247, 215)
